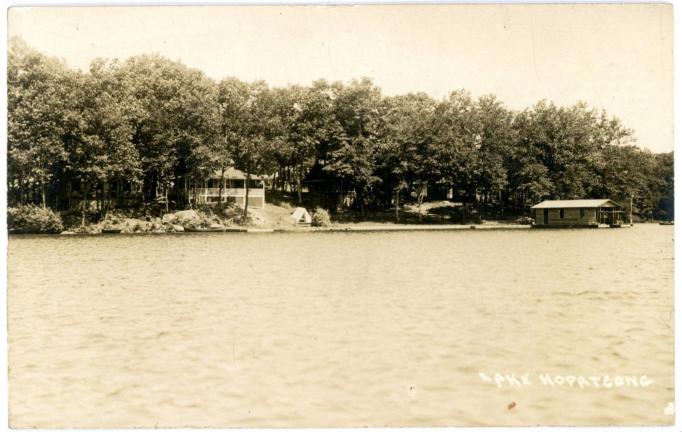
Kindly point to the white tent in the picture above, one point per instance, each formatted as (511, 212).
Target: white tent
(301, 216)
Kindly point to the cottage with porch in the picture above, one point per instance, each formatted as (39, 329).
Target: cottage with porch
(577, 213)
(234, 185)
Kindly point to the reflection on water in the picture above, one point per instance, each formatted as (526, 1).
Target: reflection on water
(343, 329)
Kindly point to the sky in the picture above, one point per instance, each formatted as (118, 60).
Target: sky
(613, 56)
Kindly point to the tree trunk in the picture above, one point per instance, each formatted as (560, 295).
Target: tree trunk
(99, 190)
(284, 179)
(107, 199)
(29, 192)
(119, 192)
(287, 179)
(84, 200)
(299, 181)
(194, 192)
(42, 194)
(69, 196)
(290, 183)
(340, 201)
(420, 199)
(220, 188)
(397, 204)
(246, 196)
(21, 190)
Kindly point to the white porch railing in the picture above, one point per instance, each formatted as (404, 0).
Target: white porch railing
(228, 192)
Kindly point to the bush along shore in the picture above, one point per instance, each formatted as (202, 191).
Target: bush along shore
(32, 219)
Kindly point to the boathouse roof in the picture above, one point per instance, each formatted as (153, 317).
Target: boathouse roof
(584, 203)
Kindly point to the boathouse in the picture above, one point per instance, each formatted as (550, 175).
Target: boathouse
(234, 186)
(577, 213)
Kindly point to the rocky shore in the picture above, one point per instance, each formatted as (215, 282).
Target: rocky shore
(186, 222)
(180, 221)
(268, 219)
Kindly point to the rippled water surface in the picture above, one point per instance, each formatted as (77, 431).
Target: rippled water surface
(339, 329)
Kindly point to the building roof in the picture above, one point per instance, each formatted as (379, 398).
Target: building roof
(235, 174)
(584, 203)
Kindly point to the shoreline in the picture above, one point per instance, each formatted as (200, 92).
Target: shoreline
(273, 218)
(340, 228)
(352, 227)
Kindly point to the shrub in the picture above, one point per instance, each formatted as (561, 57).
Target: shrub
(221, 210)
(321, 218)
(114, 219)
(33, 219)
(71, 220)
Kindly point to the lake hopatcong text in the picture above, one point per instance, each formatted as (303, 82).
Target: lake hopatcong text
(592, 381)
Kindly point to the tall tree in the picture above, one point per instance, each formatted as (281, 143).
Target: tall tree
(456, 143)
(172, 106)
(259, 131)
(407, 150)
(351, 161)
(495, 146)
(39, 115)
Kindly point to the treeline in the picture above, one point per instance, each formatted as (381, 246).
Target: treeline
(151, 123)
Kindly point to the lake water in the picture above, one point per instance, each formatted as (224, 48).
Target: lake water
(341, 329)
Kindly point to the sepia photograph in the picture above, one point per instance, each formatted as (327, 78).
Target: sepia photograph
(340, 216)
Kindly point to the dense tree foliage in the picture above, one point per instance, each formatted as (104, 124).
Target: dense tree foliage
(150, 125)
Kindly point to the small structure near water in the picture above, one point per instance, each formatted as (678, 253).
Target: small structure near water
(577, 213)
(301, 217)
